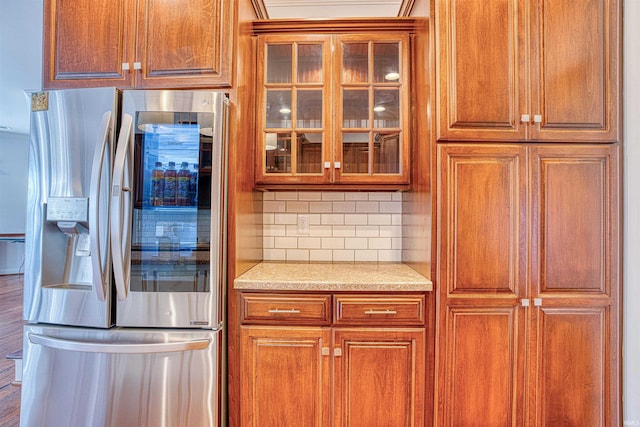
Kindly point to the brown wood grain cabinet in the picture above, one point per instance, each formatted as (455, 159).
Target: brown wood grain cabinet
(136, 43)
(333, 108)
(516, 70)
(528, 298)
(359, 374)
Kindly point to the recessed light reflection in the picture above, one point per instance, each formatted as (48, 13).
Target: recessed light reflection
(392, 76)
(378, 108)
(285, 110)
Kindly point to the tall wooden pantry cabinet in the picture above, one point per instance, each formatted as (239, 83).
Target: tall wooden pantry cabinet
(527, 133)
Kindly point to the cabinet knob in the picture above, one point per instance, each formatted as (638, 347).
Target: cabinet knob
(524, 302)
(137, 66)
(525, 118)
(125, 66)
(537, 302)
(537, 118)
(336, 165)
(337, 352)
(326, 351)
(327, 165)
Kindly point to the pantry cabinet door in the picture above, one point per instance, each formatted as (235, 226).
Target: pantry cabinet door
(480, 70)
(379, 377)
(184, 44)
(86, 43)
(575, 268)
(576, 71)
(284, 376)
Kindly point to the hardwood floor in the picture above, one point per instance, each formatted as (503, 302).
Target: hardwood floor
(10, 341)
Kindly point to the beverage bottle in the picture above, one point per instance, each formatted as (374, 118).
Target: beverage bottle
(170, 185)
(193, 186)
(157, 185)
(184, 179)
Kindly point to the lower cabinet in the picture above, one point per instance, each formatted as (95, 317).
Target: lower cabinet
(528, 303)
(334, 375)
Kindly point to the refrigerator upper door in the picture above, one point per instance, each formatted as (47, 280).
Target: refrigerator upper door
(67, 257)
(116, 377)
(171, 240)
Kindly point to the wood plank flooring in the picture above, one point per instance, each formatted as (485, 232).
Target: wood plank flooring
(10, 341)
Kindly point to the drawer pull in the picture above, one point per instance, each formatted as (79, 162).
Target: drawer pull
(387, 311)
(287, 311)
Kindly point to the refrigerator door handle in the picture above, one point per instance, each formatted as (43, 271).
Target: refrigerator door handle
(94, 208)
(118, 348)
(121, 208)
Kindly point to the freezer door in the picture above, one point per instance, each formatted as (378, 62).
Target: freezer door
(81, 377)
(67, 256)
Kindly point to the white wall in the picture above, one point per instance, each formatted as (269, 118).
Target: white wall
(631, 270)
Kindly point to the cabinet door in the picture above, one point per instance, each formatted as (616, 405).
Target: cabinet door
(480, 70)
(379, 377)
(184, 44)
(371, 134)
(575, 280)
(284, 376)
(293, 99)
(481, 210)
(482, 274)
(86, 43)
(576, 70)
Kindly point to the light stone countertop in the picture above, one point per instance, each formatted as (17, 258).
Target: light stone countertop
(281, 276)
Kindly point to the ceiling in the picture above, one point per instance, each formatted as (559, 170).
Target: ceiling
(280, 9)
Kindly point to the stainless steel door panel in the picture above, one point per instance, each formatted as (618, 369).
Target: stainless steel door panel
(168, 310)
(71, 145)
(76, 377)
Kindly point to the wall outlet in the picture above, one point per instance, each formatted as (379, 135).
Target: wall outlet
(303, 225)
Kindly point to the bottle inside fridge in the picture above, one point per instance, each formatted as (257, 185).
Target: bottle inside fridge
(170, 234)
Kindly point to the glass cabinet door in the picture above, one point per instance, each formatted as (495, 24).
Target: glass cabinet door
(294, 92)
(371, 136)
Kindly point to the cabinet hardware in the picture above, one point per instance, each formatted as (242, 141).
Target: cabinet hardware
(537, 118)
(524, 302)
(525, 118)
(125, 66)
(284, 311)
(327, 165)
(326, 351)
(537, 302)
(336, 165)
(337, 352)
(387, 311)
(137, 66)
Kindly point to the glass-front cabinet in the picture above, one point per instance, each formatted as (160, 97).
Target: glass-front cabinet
(333, 109)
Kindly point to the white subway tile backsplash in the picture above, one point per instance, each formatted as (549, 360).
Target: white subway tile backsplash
(344, 231)
(297, 255)
(296, 206)
(343, 256)
(343, 226)
(321, 255)
(320, 207)
(332, 242)
(344, 207)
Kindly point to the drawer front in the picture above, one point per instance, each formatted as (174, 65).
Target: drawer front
(292, 309)
(382, 310)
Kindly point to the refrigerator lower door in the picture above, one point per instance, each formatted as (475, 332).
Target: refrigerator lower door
(83, 377)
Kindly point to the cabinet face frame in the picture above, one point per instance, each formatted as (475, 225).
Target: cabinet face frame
(332, 156)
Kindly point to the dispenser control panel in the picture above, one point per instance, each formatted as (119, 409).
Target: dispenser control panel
(74, 209)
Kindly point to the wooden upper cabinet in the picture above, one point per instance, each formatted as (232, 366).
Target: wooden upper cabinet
(511, 70)
(333, 108)
(136, 43)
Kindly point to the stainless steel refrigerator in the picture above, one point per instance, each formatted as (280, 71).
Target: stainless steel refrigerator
(125, 259)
